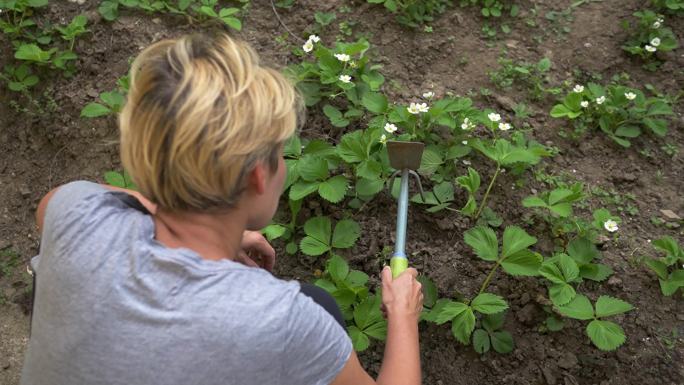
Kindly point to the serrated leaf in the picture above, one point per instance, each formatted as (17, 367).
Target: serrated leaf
(352, 147)
(658, 267)
(582, 250)
(319, 228)
(481, 341)
(429, 291)
(462, 325)
(607, 306)
(375, 102)
(493, 322)
(367, 312)
(502, 342)
(579, 308)
(483, 241)
(334, 189)
(273, 231)
(312, 246)
(524, 262)
(312, 168)
(487, 303)
(301, 189)
(94, 110)
(568, 267)
(605, 335)
(377, 330)
(347, 231)
(370, 169)
(515, 239)
(338, 268)
(554, 324)
(360, 341)
(595, 271)
(449, 310)
(115, 179)
(430, 161)
(561, 293)
(369, 187)
(534, 201)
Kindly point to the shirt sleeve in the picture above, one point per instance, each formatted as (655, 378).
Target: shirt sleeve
(63, 210)
(318, 345)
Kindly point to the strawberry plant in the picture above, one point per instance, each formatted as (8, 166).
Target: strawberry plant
(605, 335)
(360, 310)
(413, 13)
(674, 6)
(287, 230)
(491, 334)
(321, 238)
(649, 35)
(493, 8)
(531, 77)
(112, 101)
(620, 112)
(670, 267)
(119, 179)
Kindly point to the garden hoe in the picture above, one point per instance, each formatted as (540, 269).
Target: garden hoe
(405, 158)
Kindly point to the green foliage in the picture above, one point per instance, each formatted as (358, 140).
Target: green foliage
(620, 112)
(494, 8)
(9, 259)
(413, 13)
(530, 77)
(321, 238)
(649, 36)
(558, 201)
(286, 231)
(360, 310)
(200, 10)
(670, 267)
(112, 101)
(514, 257)
(119, 179)
(673, 6)
(605, 335)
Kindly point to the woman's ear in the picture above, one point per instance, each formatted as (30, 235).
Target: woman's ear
(257, 178)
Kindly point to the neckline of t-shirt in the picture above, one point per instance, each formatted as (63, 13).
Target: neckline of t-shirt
(185, 254)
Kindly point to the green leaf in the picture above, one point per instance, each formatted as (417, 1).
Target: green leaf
(375, 102)
(561, 293)
(334, 189)
(627, 131)
(493, 322)
(502, 342)
(369, 186)
(94, 110)
(338, 268)
(377, 330)
(319, 228)
(462, 325)
(449, 310)
(607, 306)
(579, 308)
(554, 324)
(658, 267)
(568, 267)
(595, 271)
(487, 303)
(669, 246)
(524, 262)
(367, 312)
(429, 291)
(483, 241)
(550, 271)
(31, 52)
(370, 169)
(582, 250)
(515, 239)
(115, 179)
(481, 341)
(115, 100)
(312, 246)
(109, 10)
(659, 108)
(312, 168)
(657, 126)
(301, 189)
(347, 231)
(360, 341)
(335, 116)
(533, 201)
(273, 231)
(353, 148)
(605, 335)
(430, 161)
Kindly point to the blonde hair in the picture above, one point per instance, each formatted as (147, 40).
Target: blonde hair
(200, 113)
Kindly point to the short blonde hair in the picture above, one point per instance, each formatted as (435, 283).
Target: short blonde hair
(200, 113)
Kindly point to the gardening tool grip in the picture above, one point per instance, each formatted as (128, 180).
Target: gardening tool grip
(398, 264)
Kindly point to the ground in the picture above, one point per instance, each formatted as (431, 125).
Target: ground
(42, 151)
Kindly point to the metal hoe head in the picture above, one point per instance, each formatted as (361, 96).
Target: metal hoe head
(405, 154)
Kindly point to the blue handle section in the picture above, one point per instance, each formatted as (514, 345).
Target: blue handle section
(402, 216)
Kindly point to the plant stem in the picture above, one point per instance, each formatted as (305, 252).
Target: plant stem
(489, 277)
(489, 188)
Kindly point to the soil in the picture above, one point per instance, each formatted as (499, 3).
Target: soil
(43, 150)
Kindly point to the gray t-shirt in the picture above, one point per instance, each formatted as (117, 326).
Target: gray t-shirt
(114, 306)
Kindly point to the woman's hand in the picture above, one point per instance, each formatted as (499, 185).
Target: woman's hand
(402, 297)
(256, 251)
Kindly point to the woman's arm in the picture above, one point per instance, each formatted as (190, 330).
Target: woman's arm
(403, 300)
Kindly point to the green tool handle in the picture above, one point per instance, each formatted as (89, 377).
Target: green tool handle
(398, 264)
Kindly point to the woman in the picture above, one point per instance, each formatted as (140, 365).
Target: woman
(160, 286)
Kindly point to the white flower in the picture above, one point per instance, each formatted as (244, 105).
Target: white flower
(656, 24)
(428, 95)
(578, 88)
(383, 139)
(655, 42)
(494, 117)
(504, 126)
(352, 64)
(610, 225)
(630, 95)
(343, 57)
(416, 108)
(650, 48)
(465, 142)
(467, 124)
(389, 127)
(584, 104)
(308, 46)
(600, 100)
(314, 38)
(466, 162)
(345, 78)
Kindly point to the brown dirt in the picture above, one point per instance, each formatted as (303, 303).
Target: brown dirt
(44, 151)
